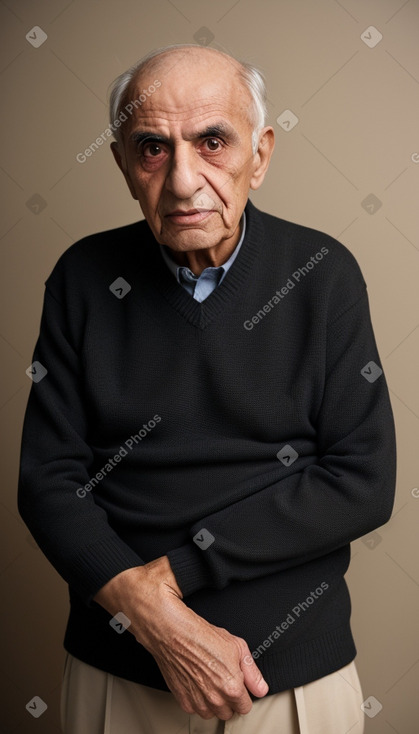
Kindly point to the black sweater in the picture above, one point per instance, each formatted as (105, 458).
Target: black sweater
(247, 437)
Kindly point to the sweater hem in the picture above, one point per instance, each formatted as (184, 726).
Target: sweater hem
(295, 666)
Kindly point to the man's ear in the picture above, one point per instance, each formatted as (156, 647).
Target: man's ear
(121, 162)
(263, 156)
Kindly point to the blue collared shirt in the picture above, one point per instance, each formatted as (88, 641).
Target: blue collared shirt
(200, 287)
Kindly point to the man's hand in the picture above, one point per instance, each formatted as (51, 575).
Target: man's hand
(208, 670)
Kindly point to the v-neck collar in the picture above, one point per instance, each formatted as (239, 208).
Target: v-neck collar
(202, 314)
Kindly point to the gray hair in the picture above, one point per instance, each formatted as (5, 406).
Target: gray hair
(251, 76)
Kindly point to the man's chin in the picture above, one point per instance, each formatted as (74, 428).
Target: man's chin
(189, 238)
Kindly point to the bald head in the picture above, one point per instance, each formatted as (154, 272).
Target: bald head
(183, 58)
(166, 58)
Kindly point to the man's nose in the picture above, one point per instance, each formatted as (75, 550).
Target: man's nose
(184, 177)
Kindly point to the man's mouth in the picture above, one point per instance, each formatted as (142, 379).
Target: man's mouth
(188, 216)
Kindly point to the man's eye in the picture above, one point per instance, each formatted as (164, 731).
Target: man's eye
(151, 150)
(213, 144)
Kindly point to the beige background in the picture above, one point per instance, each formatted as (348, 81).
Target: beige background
(357, 134)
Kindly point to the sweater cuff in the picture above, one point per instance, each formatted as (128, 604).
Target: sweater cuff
(98, 564)
(189, 568)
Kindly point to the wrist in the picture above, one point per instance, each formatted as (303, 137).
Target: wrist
(113, 595)
(159, 573)
(134, 585)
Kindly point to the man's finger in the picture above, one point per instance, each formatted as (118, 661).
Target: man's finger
(253, 678)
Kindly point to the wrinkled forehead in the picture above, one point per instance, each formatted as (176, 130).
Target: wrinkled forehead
(183, 86)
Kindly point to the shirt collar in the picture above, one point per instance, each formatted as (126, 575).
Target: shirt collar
(175, 268)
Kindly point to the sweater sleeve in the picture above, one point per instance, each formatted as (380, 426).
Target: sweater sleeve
(55, 459)
(312, 511)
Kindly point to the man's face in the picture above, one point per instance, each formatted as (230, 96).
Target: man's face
(187, 151)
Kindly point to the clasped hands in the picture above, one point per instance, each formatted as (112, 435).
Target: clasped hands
(209, 671)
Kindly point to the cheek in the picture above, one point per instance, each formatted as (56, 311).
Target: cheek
(148, 189)
(234, 179)
(232, 191)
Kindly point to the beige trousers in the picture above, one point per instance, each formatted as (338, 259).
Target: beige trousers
(94, 702)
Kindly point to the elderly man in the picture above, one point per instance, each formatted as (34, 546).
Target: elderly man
(212, 431)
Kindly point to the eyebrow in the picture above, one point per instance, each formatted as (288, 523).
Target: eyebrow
(217, 130)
